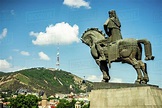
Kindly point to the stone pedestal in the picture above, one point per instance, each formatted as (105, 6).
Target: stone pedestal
(119, 95)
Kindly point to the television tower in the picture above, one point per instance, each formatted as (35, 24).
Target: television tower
(58, 59)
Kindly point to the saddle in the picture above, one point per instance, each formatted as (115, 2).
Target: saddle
(114, 48)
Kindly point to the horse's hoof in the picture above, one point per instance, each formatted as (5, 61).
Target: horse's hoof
(143, 82)
(149, 58)
(105, 80)
(137, 82)
(146, 79)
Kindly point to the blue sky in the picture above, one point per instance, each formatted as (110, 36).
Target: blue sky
(31, 30)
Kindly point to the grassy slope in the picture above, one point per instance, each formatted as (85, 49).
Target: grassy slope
(37, 79)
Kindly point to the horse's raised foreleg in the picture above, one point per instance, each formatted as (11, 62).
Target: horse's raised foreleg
(147, 48)
(104, 69)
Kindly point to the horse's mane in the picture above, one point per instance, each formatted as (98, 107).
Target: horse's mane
(94, 29)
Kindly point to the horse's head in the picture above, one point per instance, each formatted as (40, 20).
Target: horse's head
(92, 35)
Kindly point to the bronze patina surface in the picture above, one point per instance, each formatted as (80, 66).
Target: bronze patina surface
(114, 48)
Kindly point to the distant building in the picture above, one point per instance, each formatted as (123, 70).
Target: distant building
(22, 91)
(44, 101)
(60, 95)
(47, 104)
(77, 104)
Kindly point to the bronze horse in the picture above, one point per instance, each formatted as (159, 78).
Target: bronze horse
(124, 50)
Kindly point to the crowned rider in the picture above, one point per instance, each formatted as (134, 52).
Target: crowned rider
(112, 29)
(112, 26)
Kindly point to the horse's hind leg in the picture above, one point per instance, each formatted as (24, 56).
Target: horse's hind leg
(144, 70)
(136, 66)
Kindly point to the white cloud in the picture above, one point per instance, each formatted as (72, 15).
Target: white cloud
(4, 65)
(4, 33)
(77, 3)
(25, 53)
(116, 80)
(94, 78)
(43, 56)
(61, 33)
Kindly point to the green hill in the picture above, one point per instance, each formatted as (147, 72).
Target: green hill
(41, 79)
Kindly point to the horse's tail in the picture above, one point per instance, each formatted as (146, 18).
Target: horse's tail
(147, 48)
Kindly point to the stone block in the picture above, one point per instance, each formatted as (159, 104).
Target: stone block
(105, 95)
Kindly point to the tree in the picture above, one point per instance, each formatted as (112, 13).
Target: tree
(86, 106)
(22, 101)
(66, 104)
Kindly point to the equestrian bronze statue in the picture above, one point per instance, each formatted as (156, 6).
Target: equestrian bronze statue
(129, 50)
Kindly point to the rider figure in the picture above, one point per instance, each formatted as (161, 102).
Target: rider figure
(112, 29)
(112, 26)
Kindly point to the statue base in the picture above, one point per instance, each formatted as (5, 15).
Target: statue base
(125, 95)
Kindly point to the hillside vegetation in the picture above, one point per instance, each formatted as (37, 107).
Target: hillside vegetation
(41, 79)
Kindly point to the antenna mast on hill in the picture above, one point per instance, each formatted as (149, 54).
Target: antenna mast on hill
(58, 59)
